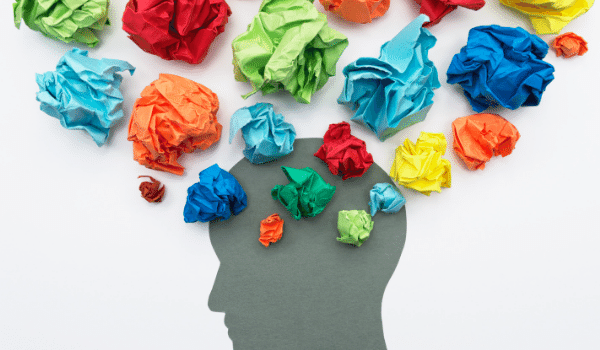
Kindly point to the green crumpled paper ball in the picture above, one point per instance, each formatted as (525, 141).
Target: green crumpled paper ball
(65, 20)
(306, 195)
(354, 226)
(288, 46)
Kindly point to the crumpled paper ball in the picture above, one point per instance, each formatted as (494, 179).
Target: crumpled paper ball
(174, 116)
(437, 9)
(267, 135)
(83, 93)
(359, 11)
(64, 20)
(217, 195)
(344, 153)
(501, 66)
(479, 137)
(175, 30)
(385, 197)
(550, 16)
(288, 46)
(569, 45)
(393, 91)
(306, 195)
(420, 166)
(152, 191)
(355, 226)
(271, 229)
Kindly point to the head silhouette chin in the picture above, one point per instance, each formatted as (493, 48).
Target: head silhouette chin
(307, 291)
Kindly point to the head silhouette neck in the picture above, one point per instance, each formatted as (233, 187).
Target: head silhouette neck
(307, 291)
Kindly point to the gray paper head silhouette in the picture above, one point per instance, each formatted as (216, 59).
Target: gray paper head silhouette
(307, 291)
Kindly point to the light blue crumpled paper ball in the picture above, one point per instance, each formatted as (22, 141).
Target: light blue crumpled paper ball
(385, 197)
(266, 134)
(83, 93)
(393, 91)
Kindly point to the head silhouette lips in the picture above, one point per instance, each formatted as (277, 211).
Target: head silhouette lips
(306, 286)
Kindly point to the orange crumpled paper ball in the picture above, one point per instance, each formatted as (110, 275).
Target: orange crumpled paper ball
(359, 11)
(174, 116)
(569, 45)
(271, 229)
(479, 137)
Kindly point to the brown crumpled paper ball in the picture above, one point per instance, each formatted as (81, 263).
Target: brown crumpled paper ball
(152, 191)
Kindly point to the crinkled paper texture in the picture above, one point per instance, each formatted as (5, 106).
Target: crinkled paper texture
(175, 30)
(420, 166)
(217, 195)
(344, 153)
(550, 16)
(479, 137)
(64, 20)
(173, 116)
(152, 191)
(288, 46)
(437, 9)
(306, 195)
(501, 66)
(355, 226)
(359, 11)
(267, 135)
(393, 91)
(83, 93)
(271, 229)
(385, 197)
(569, 45)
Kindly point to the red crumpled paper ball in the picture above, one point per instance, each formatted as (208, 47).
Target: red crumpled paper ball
(173, 116)
(359, 11)
(343, 153)
(175, 30)
(437, 9)
(569, 45)
(479, 137)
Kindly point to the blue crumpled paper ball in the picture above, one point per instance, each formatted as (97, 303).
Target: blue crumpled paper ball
(217, 195)
(266, 134)
(501, 66)
(393, 91)
(83, 93)
(385, 197)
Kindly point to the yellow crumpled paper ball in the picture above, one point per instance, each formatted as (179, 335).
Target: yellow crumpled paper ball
(550, 16)
(420, 166)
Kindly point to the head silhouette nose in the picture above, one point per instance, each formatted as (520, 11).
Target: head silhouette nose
(215, 300)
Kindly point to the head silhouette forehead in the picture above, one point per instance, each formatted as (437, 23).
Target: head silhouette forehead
(298, 291)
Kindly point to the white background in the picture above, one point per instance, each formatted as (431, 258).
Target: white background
(505, 259)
